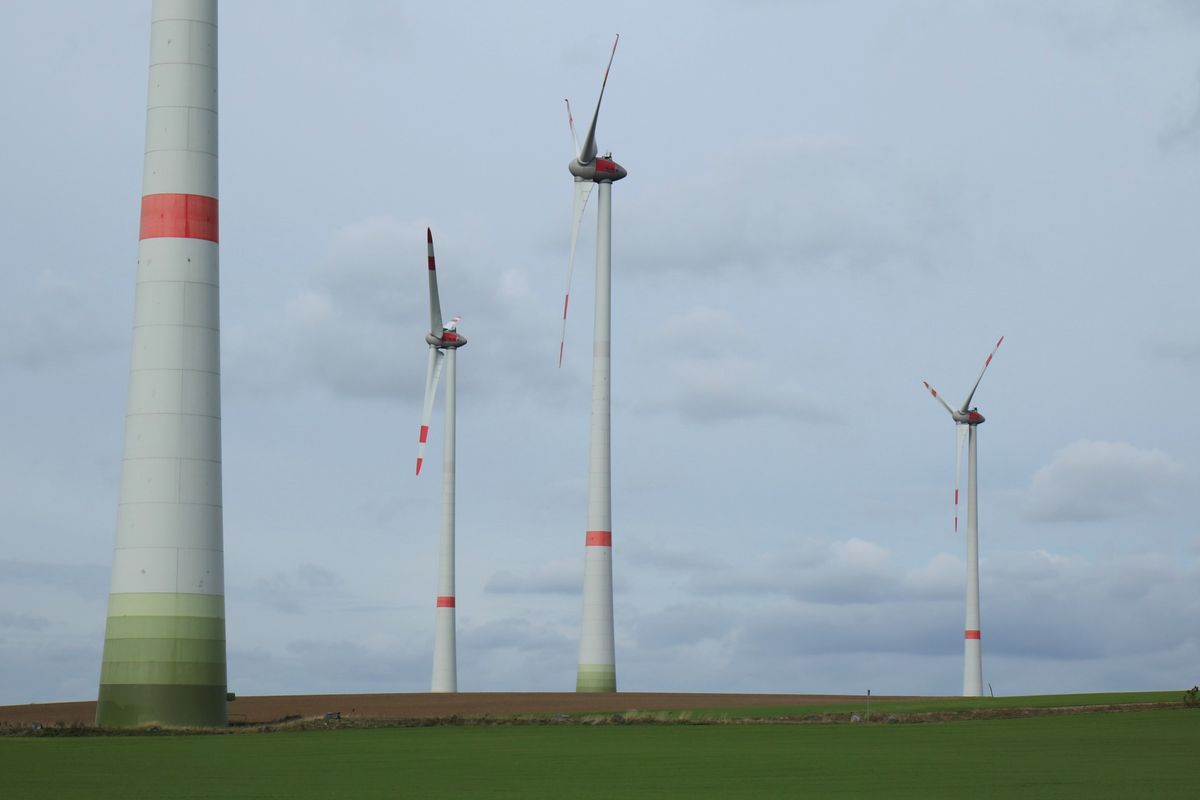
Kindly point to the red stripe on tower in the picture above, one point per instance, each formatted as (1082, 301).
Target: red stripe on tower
(599, 538)
(971, 635)
(179, 216)
(445, 602)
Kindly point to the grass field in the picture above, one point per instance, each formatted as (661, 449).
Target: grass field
(1119, 755)
(947, 704)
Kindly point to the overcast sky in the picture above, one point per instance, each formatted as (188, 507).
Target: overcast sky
(827, 203)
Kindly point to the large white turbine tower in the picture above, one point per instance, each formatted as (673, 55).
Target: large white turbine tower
(444, 340)
(597, 659)
(164, 641)
(966, 420)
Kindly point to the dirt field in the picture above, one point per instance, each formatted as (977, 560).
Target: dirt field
(421, 706)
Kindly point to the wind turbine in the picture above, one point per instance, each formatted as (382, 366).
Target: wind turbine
(966, 420)
(597, 660)
(444, 339)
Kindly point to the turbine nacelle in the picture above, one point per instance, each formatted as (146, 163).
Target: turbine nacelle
(972, 417)
(449, 338)
(599, 170)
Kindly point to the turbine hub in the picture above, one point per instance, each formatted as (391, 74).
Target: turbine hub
(600, 170)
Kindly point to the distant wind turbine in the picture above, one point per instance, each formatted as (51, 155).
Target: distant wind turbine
(966, 420)
(444, 339)
(597, 660)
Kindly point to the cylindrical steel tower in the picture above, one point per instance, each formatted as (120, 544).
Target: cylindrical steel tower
(597, 655)
(164, 643)
(445, 658)
(972, 655)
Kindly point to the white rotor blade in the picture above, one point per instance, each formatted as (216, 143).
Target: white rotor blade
(588, 153)
(583, 190)
(938, 397)
(967, 403)
(435, 306)
(436, 357)
(958, 448)
(571, 122)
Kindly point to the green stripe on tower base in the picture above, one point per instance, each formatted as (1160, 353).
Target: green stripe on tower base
(164, 661)
(596, 678)
(131, 706)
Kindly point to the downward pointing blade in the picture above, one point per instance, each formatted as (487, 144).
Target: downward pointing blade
(435, 306)
(938, 397)
(961, 430)
(436, 357)
(583, 190)
(588, 153)
(967, 403)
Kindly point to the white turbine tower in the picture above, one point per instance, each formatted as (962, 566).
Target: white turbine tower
(444, 340)
(966, 420)
(597, 660)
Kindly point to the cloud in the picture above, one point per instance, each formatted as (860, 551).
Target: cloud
(719, 381)
(297, 590)
(793, 204)
(23, 621)
(554, 577)
(87, 580)
(1184, 132)
(356, 328)
(59, 322)
(851, 572)
(1090, 481)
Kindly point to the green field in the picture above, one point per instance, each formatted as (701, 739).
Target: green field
(942, 704)
(1128, 754)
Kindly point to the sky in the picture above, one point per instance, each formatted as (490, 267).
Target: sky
(827, 204)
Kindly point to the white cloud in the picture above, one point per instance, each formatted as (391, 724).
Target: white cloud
(554, 577)
(1090, 481)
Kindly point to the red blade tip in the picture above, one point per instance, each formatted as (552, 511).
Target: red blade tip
(429, 235)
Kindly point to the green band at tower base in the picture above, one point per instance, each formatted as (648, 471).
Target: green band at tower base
(125, 705)
(596, 678)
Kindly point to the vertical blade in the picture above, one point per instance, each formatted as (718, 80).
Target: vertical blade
(583, 190)
(432, 375)
(435, 305)
(588, 153)
(961, 431)
(967, 403)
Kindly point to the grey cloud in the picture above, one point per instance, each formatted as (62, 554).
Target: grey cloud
(87, 580)
(556, 577)
(853, 572)
(800, 205)
(23, 621)
(1044, 606)
(60, 322)
(293, 591)
(719, 381)
(358, 328)
(1091, 481)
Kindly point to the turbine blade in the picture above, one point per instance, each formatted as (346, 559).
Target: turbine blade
(583, 190)
(961, 430)
(432, 375)
(435, 305)
(938, 397)
(571, 122)
(588, 153)
(967, 403)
